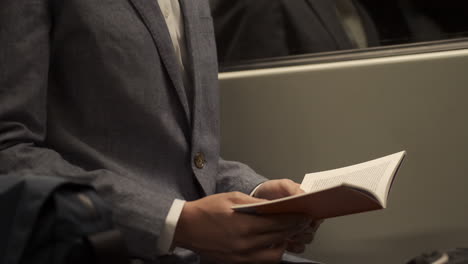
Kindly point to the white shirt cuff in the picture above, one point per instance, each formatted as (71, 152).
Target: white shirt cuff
(167, 234)
(255, 190)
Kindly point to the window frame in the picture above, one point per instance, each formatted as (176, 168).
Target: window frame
(347, 55)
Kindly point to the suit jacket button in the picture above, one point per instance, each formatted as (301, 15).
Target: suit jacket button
(199, 160)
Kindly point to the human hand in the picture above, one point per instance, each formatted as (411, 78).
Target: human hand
(217, 233)
(298, 242)
(275, 189)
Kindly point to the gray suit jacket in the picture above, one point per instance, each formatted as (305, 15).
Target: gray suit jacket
(91, 91)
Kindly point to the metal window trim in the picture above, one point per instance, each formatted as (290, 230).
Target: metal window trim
(348, 55)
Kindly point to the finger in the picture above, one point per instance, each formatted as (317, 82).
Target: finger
(290, 188)
(242, 198)
(266, 240)
(297, 248)
(272, 254)
(307, 235)
(303, 238)
(314, 226)
(276, 223)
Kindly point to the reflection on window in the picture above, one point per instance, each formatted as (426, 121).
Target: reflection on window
(256, 29)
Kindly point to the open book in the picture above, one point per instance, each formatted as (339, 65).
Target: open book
(349, 190)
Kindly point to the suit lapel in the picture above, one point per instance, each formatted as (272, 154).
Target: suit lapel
(189, 10)
(154, 20)
(202, 96)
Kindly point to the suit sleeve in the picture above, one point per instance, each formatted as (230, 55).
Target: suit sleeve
(25, 49)
(236, 176)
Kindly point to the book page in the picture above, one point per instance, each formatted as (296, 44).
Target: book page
(373, 176)
(367, 178)
(353, 189)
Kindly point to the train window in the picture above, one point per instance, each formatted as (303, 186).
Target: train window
(263, 31)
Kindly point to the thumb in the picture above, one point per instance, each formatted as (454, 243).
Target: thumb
(291, 188)
(242, 198)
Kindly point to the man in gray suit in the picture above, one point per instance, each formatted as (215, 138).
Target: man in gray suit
(123, 94)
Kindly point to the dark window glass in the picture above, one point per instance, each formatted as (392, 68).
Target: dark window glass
(257, 29)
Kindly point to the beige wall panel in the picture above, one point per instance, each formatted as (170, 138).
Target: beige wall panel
(290, 121)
